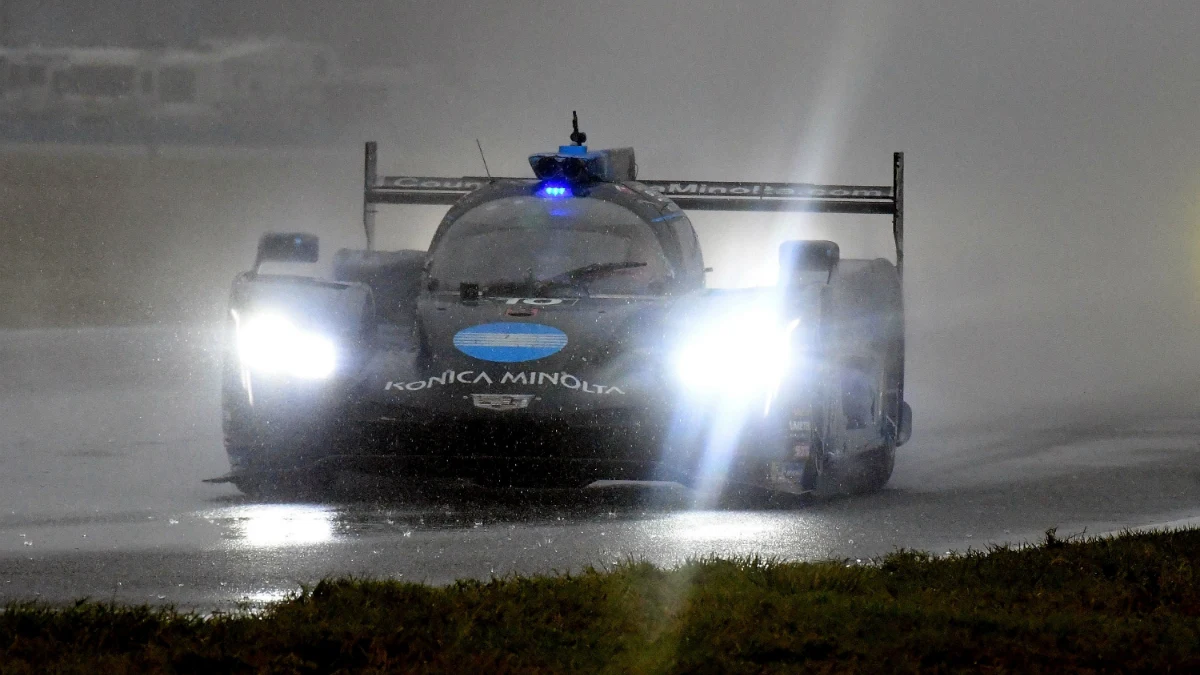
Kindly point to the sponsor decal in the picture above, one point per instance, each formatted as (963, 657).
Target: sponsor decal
(525, 378)
(430, 183)
(792, 190)
(448, 377)
(510, 342)
(792, 471)
(786, 472)
(501, 401)
(802, 426)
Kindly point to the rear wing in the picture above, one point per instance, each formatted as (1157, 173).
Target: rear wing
(689, 195)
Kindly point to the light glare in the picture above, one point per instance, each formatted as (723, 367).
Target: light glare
(742, 353)
(273, 345)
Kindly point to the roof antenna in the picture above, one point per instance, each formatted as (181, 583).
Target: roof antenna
(577, 136)
(481, 156)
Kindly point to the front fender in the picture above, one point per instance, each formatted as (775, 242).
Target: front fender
(342, 312)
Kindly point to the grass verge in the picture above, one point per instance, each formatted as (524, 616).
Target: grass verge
(1128, 603)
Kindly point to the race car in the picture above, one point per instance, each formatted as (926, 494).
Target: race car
(558, 331)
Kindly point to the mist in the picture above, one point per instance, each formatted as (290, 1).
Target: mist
(1051, 173)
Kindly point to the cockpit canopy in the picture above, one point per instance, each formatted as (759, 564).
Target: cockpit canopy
(512, 241)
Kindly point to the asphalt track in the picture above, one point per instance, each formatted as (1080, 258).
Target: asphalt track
(105, 435)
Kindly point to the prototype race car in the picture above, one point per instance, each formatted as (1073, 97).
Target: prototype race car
(558, 331)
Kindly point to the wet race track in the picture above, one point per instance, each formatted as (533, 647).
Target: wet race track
(106, 434)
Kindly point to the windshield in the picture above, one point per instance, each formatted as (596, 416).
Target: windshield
(517, 239)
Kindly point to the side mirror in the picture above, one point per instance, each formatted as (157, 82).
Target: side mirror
(807, 260)
(904, 433)
(287, 247)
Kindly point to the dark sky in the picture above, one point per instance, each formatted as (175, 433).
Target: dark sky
(1053, 155)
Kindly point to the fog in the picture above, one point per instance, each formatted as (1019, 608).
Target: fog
(1052, 169)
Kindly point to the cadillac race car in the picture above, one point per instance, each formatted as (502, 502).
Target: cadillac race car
(558, 331)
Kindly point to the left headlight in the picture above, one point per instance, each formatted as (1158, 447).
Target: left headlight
(274, 345)
(737, 354)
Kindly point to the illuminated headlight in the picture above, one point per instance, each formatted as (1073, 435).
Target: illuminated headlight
(739, 354)
(272, 344)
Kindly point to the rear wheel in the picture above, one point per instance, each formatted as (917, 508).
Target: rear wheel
(865, 400)
(870, 471)
(859, 475)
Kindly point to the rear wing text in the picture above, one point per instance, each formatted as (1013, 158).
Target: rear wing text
(689, 195)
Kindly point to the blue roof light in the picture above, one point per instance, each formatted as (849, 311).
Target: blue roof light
(553, 191)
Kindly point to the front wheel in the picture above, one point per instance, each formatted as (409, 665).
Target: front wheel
(294, 485)
(275, 457)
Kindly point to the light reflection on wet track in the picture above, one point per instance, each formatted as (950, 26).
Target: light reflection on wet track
(100, 496)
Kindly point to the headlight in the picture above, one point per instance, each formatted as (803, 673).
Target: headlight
(274, 345)
(741, 353)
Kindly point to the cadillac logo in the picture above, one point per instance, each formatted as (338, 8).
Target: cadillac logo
(502, 401)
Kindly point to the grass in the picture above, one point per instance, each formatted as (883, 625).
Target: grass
(1128, 604)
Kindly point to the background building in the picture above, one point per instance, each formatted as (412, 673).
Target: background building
(239, 89)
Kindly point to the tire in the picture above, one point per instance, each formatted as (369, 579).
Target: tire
(255, 487)
(268, 461)
(865, 474)
(870, 470)
(282, 486)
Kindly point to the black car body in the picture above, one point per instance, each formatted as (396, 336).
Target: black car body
(558, 331)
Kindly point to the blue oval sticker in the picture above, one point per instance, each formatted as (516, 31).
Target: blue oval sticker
(510, 342)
